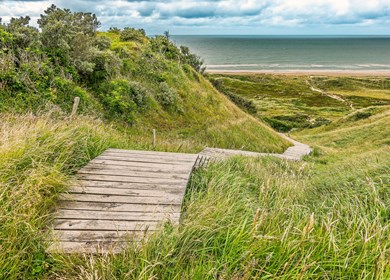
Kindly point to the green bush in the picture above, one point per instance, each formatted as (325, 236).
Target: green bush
(360, 115)
(242, 102)
(102, 43)
(162, 45)
(132, 34)
(64, 92)
(166, 96)
(319, 122)
(192, 59)
(124, 99)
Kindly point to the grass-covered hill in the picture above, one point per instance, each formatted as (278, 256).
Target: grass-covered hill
(247, 218)
(128, 83)
(124, 77)
(288, 102)
(326, 217)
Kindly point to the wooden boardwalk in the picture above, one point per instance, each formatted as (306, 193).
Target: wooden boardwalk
(121, 195)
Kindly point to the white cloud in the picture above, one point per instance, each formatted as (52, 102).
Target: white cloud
(208, 14)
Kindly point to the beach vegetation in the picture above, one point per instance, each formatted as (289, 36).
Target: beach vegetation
(325, 217)
(295, 102)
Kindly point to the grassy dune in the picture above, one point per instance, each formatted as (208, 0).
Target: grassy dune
(288, 102)
(39, 155)
(324, 218)
(132, 87)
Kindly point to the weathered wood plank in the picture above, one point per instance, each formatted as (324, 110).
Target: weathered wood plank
(124, 185)
(139, 164)
(88, 247)
(146, 160)
(129, 179)
(129, 192)
(125, 207)
(121, 194)
(74, 224)
(149, 168)
(141, 174)
(154, 156)
(122, 151)
(172, 200)
(115, 215)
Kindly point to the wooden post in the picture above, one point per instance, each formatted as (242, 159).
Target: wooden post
(154, 138)
(75, 106)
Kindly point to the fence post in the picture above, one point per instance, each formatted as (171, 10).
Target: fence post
(154, 138)
(75, 106)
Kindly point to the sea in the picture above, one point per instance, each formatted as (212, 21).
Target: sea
(322, 53)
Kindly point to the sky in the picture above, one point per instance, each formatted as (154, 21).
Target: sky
(245, 17)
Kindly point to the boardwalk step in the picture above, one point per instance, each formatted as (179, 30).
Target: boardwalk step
(120, 196)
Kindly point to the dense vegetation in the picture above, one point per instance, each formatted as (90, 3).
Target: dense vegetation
(121, 76)
(326, 217)
(296, 102)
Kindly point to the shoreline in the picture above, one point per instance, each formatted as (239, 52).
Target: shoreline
(297, 72)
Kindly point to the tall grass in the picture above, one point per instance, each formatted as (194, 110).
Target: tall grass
(324, 218)
(262, 218)
(37, 157)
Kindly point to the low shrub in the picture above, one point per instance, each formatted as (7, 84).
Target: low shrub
(166, 95)
(132, 34)
(123, 99)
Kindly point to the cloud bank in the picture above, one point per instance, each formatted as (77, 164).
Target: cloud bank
(226, 16)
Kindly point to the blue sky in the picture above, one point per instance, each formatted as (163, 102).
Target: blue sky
(287, 17)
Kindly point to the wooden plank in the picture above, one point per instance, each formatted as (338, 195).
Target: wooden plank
(115, 215)
(74, 224)
(124, 185)
(172, 157)
(125, 207)
(146, 160)
(165, 175)
(122, 151)
(90, 235)
(140, 164)
(130, 192)
(171, 200)
(129, 179)
(149, 168)
(119, 194)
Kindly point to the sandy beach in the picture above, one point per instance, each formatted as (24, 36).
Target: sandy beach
(361, 73)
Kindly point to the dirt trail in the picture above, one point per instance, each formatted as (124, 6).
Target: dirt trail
(336, 97)
(295, 152)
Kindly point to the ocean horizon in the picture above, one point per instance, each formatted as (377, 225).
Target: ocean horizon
(290, 52)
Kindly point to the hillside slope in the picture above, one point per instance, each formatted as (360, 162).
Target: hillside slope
(128, 86)
(326, 217)
(288, 102)
(136, 82)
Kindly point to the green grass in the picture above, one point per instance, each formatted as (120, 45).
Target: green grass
(265, 218)
(289, 102)
(324, 218)
(39, 155)
(196, 116)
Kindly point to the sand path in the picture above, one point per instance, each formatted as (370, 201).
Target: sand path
(295, 152)
(333, 96)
